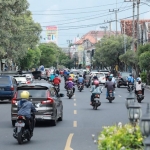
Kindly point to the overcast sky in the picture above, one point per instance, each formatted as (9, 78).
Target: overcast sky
(81, 15)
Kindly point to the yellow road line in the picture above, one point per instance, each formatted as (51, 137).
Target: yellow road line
(75, 112)
(68, 143)
(75, 124)
(75, 104)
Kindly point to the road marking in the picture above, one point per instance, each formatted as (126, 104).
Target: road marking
(68, 143)
(75, 112)
(75, 124)
(119, 95)
(74, 99)
(75, 104)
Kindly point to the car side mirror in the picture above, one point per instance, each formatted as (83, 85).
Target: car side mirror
(61, 95)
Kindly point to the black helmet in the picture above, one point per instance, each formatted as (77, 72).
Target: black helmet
(80, 75)
(131, 74)
(110, 78)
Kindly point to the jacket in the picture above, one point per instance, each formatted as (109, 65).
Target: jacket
(110, 85)
(95, 89)
(80, 79)
(25, 108)
(52, 76)
(130, 79)
(56, 80)
(69, 84)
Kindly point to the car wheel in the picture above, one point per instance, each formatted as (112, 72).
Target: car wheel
(61, 118)
(54, 122)
(13, 122)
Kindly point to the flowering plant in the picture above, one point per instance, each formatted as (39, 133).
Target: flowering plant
(120, 137)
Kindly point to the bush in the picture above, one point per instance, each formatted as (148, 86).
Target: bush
(120, 137)
(143, 76)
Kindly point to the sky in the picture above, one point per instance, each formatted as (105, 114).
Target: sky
(77, 17)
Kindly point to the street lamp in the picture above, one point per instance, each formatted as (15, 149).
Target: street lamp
(145, 127)
(134, 112)
(129, 100)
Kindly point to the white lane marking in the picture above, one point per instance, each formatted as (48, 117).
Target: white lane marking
(119, 95)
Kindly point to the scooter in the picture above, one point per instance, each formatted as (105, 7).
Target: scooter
(87, 83)
(96, 103)
(57, 87)
(130, 88)
(139, 95)
(70, 93)
(21, 132)
(80, 87)
(110, 96)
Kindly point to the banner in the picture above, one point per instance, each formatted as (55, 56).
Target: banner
(52, 34)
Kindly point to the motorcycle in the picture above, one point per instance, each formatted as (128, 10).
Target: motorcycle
(96, 103)
(70, 93)
(110, 96)
(57, 87)
(87, 83)
(21, 132)
(130, 88)
(139, 95)
(80, 87)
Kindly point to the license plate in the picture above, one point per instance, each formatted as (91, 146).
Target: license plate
(19, 124)
(56, 86)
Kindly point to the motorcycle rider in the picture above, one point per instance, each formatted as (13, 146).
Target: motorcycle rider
(57, 80)
(139, 86)
(70, 85)
(72, 75)
(94, 78)
(52, 76)
(88, 77)
(110, 86)
(25, 107)
(95, 89)
(80, 80)
(130, 80)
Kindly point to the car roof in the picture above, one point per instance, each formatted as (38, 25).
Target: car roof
(37, 85)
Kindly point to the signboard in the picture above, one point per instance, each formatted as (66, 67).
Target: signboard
(52, 34)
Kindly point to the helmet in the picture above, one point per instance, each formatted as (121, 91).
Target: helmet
(131, 74)
(111, 75)
(56, 75)
(24, 95)
(138, 79)
(70, 79)
(96, 82)
(68, 73)
(110, 78)
(80, 75)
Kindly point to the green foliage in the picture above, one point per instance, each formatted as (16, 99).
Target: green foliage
(144, 60)
(143, 76)
(18, 31)
(120, 138)
(109, 50)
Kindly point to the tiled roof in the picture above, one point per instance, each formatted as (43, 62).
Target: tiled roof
(92, 36)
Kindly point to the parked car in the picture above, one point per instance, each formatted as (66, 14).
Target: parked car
(21, 79)
(8, 86)
(122, 79)
(45, 98)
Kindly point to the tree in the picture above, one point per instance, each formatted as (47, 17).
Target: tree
(109, 49)
(18, 31)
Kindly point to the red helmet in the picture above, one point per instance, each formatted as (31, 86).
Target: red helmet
(70, 79)
(96, 82)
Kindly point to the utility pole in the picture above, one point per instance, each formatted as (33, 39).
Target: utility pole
(69, 42)
(138, 39)
(133, 22)
(116, 11)
(105, 28)
(124, 32)
(109, 26)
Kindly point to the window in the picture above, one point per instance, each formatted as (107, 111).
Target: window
(4, 80)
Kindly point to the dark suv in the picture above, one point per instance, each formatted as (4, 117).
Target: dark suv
(45, 98)
(8, 86)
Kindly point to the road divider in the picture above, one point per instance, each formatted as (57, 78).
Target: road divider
(75, 124)
(68, 143)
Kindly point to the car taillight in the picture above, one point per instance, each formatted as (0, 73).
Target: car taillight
(49, 99)
(20, 117)
(13, 101)
(12, 88)
(28, 82)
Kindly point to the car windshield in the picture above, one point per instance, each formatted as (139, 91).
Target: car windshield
(4, 80)
(35, 93)
(100, 75)
(22, 79)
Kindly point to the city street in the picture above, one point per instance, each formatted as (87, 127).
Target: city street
(79, 123)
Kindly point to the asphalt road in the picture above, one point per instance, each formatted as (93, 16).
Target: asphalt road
(75, 131)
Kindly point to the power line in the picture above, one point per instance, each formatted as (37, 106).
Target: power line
(79, 8)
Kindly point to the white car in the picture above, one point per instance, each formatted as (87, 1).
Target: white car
(101, 78)
(21, 79)
(29, 77)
